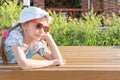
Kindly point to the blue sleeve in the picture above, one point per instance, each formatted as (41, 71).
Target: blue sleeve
(14, 38)
(41, 48)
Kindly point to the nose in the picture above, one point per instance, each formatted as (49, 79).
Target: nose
(40, 31)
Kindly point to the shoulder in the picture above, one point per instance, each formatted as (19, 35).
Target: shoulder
(15, 34)
(14, 38)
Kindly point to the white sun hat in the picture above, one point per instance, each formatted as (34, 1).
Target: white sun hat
(33, 13)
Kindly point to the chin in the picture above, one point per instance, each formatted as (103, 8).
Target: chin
(38, 39)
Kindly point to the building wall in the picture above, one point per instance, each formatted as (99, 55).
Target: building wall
(110, 6)
(39, 3)
(94, 4)
(107, 6)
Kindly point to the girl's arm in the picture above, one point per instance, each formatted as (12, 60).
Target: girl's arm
(54, 53)
(25, 63)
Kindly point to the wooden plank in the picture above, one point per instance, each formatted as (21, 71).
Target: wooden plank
(61, 75)
(90, 48)
(83, 63)
(72, 9)
(69, 73)
(90, 55)
(14, 68)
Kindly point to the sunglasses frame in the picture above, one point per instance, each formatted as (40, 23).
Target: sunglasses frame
(45, 28)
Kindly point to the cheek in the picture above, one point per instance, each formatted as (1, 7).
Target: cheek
(30, 32)
(39, 31)
(33, 31)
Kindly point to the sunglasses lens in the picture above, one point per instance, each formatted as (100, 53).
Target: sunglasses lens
(46, 29)
(39, 26)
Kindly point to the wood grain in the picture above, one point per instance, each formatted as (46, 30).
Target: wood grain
(83, 63)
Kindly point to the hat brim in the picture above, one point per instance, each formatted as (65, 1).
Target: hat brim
(50, 19)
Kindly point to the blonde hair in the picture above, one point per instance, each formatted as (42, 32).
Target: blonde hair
(2, 47)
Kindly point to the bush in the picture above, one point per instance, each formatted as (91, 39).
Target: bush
(9, 14)
(71, 32)
(86, 32)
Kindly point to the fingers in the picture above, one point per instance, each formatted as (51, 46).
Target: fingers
(62, 63)
(59, 63)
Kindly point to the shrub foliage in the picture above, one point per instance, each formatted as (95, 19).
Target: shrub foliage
(88, 31)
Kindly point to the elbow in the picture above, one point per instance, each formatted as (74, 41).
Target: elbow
(24, 66)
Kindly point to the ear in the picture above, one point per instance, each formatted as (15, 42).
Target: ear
(23, 26)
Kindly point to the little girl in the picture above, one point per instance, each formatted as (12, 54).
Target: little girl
(24, 40)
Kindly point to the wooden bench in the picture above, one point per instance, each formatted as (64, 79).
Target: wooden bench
(83, 63)
(72, 11)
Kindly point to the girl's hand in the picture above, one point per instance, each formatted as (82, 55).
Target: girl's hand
(61, 63)
(44, 38)
(47, 35)
(54, 50)
(57, 62)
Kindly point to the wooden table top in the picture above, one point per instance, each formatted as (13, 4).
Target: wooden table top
(96, 62)
(83, 58)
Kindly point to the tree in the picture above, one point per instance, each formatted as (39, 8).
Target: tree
(75, 3)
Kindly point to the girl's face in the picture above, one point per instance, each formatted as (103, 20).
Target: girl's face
(32, 32)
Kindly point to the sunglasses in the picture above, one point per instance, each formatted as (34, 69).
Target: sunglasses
(40, 25)
(45, 28)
